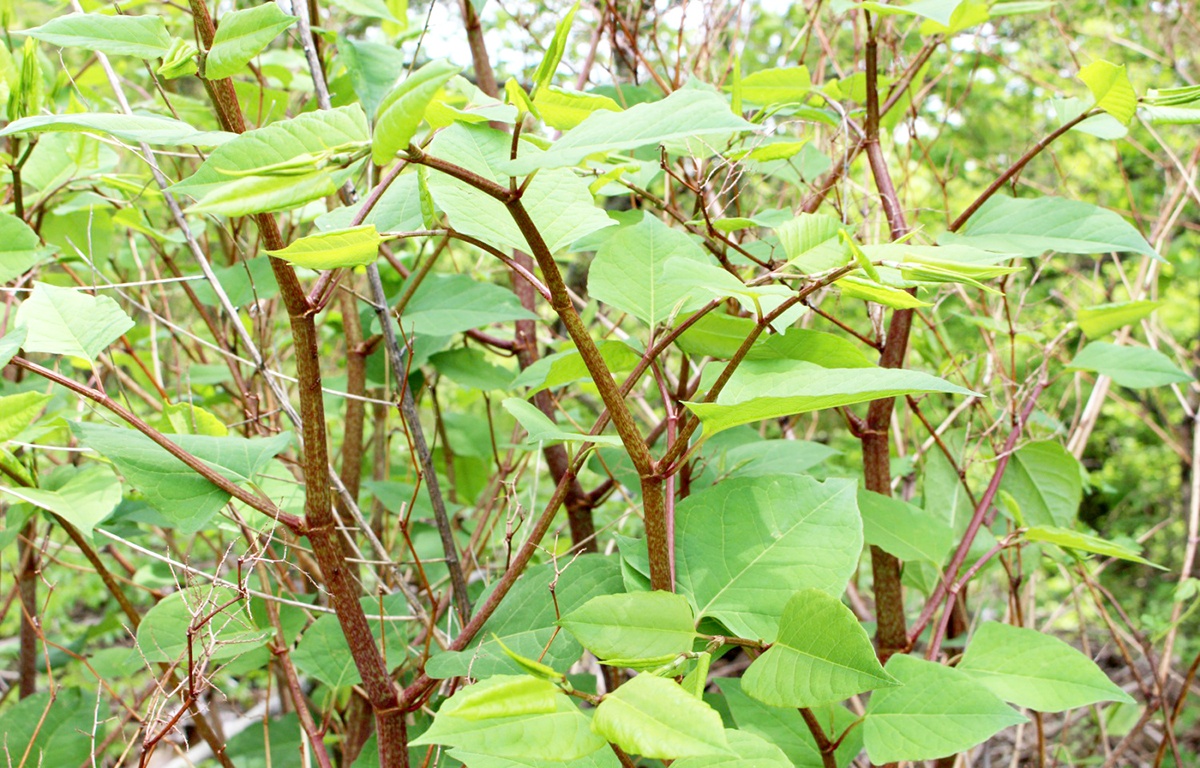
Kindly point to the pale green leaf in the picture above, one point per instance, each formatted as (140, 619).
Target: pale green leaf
(560, 735)
(568, 367)
(262, 194)
(20, 247)
(654, 717)
(968, 14)
(857, 288)
(541, 430)
(398, 209)
(1102, 319)
(629, 271)
(241, 35)
(218, 623)
(180, 60)
(1160, 115)
(748, 751)
(935, 712)
(827, 350)
(901, 529)
(150, 129)
(503, 696)
(370, 9)
(142, 36)
(185, 498)
(19, 411)
(686, 113)
(354, 247)
(822, 655)
(1133, 367)
(768, 389)
(640, 625)
(554, 52)
(51, 319)
(1110, 87)
(10, 344)
(372, 68)
(563, 110)
(702, 279)
(401, 111)
(601, 758)
(1032, 226)
(777, 85)
(940, 11)
(1034, 670)
(83, 496)
(558, 201)
(447, 304)
(745, 546)
(1084, 542)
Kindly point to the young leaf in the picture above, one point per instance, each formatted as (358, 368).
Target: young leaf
(857, 288)
(241, 35)
(142, 36)
(767, 389)
(1102, 319)
(686, 113)
(354, 247)
(1110, 86)
(401, 111)
(653, 717)
(630, 268)
(745, 546)
(51, 319)
(151, 129)
(1034, 670)
(503, 696)
(822, 655)
(935, 712)
(540, 429)
(940, 11)
(640, 625)
(562, 734)
(1133, 367)
(778, 85)
(1084, 542)
(554, 52)
(563, 110)
(1031, 227)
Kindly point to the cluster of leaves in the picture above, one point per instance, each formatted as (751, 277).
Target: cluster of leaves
(702, 297)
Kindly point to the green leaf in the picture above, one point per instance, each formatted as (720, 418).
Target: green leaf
(218, 623)
(1033, 670)
(10, 344)
(786, 728)
(812, 242)
(372, 69)
(83, 496)
(554, 52)
(640, 625)
(540, 430)
(354, 247)
(827, 350)
(856, 288)
(470, 367)
(180, 60)
(563, 110)
(778, 85)
(1110, 87)
(686, 113)
(1102, 319)
(371, 9)
(561, 734)
(568, 367)
(745, 546)
(968, 14)
(768, 389)
(324, 654)
(20, 247)
(1046, 481)
(653, 717)
(748, 751)
(1033, 226)
(716, 334)
(774, 457)
(56, 731)
(401, 111)
(186, 499)
(937, 711)
(559, 202)
(279, 166)
(151, 129)
(630, 266)
(503, 696)
(901, 529)
(1133, 367)
(525, 621)
(19, 411)
(449, 304)
(601, 758)
(704, 280)
(241, 36)
(397, 210)
(821, 656)
(142, 36)
(51, 319)
(1084, 542)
